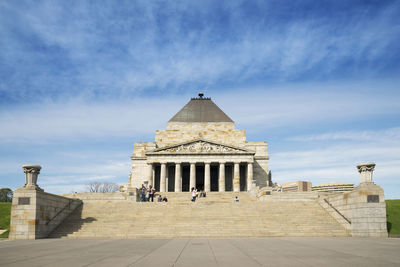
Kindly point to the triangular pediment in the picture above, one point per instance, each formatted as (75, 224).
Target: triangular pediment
(200, 146)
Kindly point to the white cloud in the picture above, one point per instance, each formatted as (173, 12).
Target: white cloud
(337, 160)
(388, 135)
(254, 109)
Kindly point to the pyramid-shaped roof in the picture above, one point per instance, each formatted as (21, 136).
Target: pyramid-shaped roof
(200, 109)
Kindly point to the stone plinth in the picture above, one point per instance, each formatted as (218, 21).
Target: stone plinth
(35, 213)
(364, 207)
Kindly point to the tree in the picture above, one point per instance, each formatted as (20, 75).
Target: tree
(6, 195)
(97, 187)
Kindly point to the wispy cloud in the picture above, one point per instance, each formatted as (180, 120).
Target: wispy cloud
(262, 109)
(337, 160)
(387, 135)
(102, 49)
(80, 83)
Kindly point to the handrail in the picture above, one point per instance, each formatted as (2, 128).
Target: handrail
(60, 211)
(344, 217)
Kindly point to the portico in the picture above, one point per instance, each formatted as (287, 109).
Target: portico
(205, 165)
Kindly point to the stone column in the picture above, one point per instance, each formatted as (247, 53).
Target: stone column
(31, 175)
(221, 177)
(178, 177)
(150, 174)
(249, 175)
(365, 170)
(236, 177)
(207, 178)
(192, 180)
(154, 177)
(163, 177)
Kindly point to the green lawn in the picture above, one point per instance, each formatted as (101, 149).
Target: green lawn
(5, 212)
(393, 216)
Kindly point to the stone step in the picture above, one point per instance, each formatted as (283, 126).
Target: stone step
(126, 219)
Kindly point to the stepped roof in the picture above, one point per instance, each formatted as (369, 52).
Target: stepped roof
(200, 109)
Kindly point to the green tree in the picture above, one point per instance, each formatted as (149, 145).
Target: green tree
(6, 195)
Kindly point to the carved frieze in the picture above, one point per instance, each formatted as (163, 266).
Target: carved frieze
(200, 147)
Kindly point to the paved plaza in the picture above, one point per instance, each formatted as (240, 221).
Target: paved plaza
(202, 252)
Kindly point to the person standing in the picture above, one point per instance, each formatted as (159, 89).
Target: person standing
(151, 191)
(143, 193)
(194, 194)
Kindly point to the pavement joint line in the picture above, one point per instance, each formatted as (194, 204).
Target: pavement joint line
(244, 253)
(187, 242)
(52, 253)
(151, 251)
(291, 257)
(212, 251)
(105, 257)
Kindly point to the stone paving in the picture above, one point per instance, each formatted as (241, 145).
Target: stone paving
(202, 252)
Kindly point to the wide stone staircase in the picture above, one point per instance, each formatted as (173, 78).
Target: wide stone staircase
(214, 216)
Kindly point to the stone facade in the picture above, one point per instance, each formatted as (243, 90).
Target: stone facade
(200, 148)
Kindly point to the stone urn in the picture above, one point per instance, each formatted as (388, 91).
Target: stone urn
(31, 174)
(366, 170)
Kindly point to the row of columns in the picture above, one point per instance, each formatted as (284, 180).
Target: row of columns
(207, 176)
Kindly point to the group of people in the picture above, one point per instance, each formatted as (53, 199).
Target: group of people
(147, 194)
(195, 194)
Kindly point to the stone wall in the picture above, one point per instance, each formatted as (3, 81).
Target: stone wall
(34, 213)
(139, 172)
(140, 148)
(260, 172)
(221, 132)
(364, 208)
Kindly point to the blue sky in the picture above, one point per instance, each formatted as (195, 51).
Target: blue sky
(81, 81)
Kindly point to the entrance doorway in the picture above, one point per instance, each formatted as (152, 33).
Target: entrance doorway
(214, 173)
(185, 178)
(200, 177)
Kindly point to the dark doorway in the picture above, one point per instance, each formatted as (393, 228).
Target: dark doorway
(242, 177)
(228, 177)
(214, 177)
(185, 178)
(200, 177)
(157, 178)
(171, 178)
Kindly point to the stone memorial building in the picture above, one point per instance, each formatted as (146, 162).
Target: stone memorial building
(200, 148)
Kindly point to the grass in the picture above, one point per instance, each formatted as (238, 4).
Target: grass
(5, 213)
(393, 216)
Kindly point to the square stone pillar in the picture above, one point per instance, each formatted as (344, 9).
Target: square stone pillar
(192, 179)
(163, 177)
(207, 177)
(249, 175)
(236, 177)
(178, 177)
(221, 177)
(150, 174)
